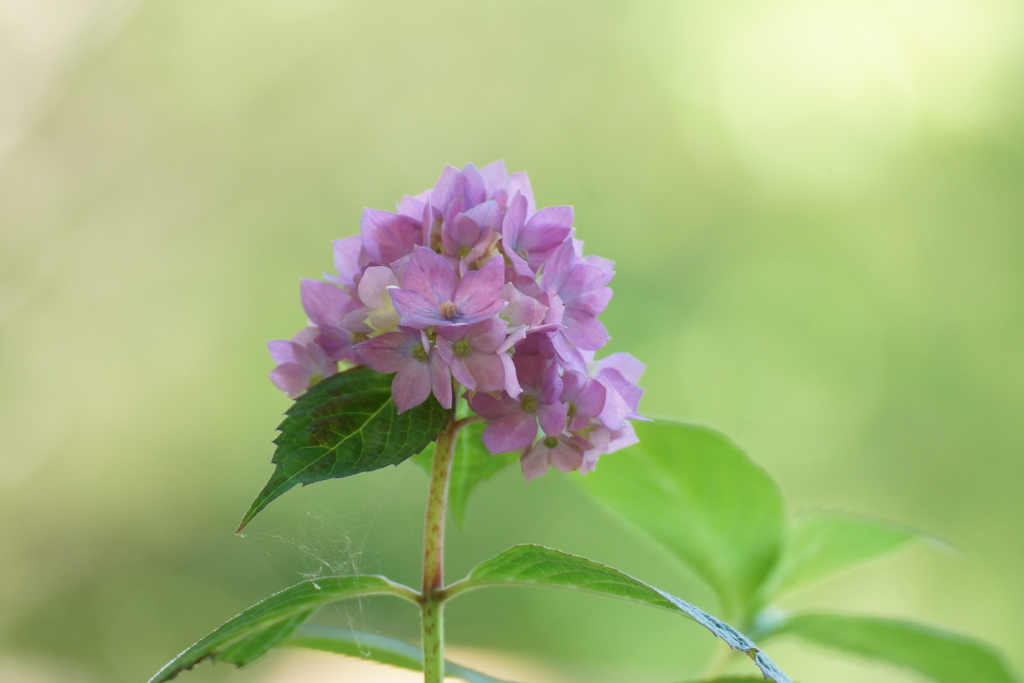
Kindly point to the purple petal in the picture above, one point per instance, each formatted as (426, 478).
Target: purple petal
(479, 290)
(444, 190)
(547, 229)
(629, 367)
(485, 368)
(320, 364)
(520, 182)
(373, 284)
(500, 198)
(283, 351)
(488, 238)
(412, 207)
(476, 188)
(495, 176)
(613, 414)
(552, 417)
(440, 380)
(485, 215)
(621, 438)
(556, 310)
(461, 231)
(558, 267)
(306, 335)
(521, 310)
(589, 402)
(514, 337)
(415, 310)
(511, 381)
(587, 332)
(598, 438)
(444, 345)
(336, 347)
(515, 219)
(551, 386)
(536, 462)
(520, 266)
(324, 303)
(565, 457)
(388, 236)
(469, 318)
(530, 367)
(630, 393)
(355, 321)
(461, 371)
(584, 279)
(510, 433)
(431, 276)
(411, 385)
(591, 303)
(572, 384)
(387, 352)
(487, 336)
(346, 259)
(569, 356)
(291, 378)
(599, 262)
(492, 408)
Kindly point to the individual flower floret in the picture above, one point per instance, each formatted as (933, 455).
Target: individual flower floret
(514, 420)
(433, 295)
(564, 451)
(476, 355)
(606, 441)
(529, 243)
(327, 308)
(419, 367)
(581, 287)
(584, 398)
(469, 236)
(521, 311)
(301, 362)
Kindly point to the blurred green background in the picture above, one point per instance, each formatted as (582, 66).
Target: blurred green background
(817, 213)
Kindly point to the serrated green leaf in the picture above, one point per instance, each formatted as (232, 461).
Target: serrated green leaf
(252, 633)
(345, 425)
(377, 648)
(941, 655)
(823, 543)
(472, 464)
(696, 493)
(537, 566)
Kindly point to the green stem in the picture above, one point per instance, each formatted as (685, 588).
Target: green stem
(432, 599)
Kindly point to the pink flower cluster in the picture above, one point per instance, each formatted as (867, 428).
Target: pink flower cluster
(469, 281)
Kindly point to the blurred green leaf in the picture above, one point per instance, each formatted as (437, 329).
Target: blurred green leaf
(376, 648)
(941, 655)
(472, 464)
(534, 565)
(729, 679)
(260, 642)
(696, 493)
(345, 425)
(248, 636)
(823, 543)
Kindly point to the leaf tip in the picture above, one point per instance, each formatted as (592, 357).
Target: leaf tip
(256, 507)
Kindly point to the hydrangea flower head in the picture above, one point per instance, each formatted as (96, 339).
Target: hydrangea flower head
(469, 287)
